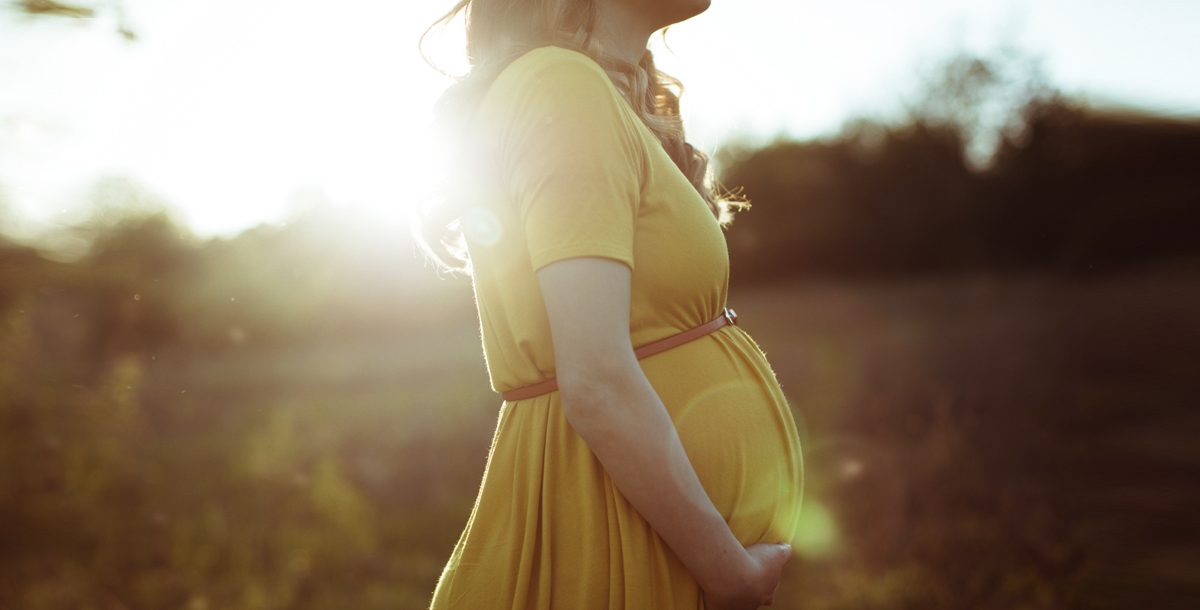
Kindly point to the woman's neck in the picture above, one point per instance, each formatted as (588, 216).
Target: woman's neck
(622, 31)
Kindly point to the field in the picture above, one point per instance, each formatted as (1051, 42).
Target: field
(979, 441)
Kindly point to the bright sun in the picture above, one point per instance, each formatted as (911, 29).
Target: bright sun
(233, 112)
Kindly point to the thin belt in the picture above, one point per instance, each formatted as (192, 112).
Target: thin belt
(728, 316)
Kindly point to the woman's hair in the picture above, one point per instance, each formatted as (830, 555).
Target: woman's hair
(499, 31)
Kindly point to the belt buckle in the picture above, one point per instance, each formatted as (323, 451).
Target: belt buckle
(730, 315)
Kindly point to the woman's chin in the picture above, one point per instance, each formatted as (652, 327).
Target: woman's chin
(674, 11)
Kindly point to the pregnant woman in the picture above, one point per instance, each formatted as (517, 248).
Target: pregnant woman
(645, 456)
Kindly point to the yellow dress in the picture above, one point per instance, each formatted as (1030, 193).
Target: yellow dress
(569, 170)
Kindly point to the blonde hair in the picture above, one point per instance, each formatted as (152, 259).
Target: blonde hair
(499, 31)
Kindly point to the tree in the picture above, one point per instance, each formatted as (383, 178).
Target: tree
(89, 11)
(985, 98)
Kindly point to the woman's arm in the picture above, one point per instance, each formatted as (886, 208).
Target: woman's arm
(609, 402)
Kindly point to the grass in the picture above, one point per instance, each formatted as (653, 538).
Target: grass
(976, 441)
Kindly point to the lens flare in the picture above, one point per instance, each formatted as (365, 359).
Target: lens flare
(816, 531)
(481, 225)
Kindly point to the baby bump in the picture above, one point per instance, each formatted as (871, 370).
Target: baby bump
(738, 431)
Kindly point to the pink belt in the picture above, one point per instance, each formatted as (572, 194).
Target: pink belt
(728, 316)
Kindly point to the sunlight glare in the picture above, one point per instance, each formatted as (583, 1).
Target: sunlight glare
(229, 109)
(816, 531)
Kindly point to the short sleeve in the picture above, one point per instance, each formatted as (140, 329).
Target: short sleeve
(573, 162)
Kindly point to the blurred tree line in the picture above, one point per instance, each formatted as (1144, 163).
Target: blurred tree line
(1065, 187)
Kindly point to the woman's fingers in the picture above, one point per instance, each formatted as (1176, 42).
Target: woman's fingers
(771, 597)
(784, 555)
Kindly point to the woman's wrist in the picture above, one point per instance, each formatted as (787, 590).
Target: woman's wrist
(723, 572)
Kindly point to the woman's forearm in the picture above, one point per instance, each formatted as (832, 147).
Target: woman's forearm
(624, 422)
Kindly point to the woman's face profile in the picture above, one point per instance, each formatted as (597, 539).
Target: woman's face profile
(661, 13)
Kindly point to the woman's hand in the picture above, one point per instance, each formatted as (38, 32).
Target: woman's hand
(757, 583)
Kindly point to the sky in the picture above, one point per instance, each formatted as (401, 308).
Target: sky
(237, 112)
